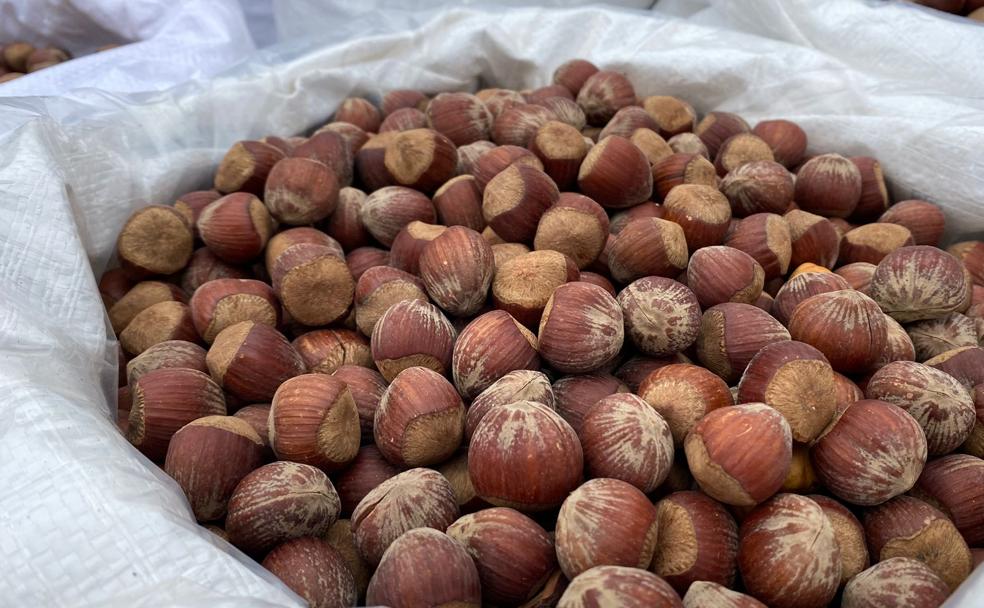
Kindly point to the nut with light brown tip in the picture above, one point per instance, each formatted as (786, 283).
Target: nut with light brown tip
(760, 186)
(461, 117)
(628, 120)
(924, 220)
(236, 227)
(561, 148)
(688, 143)
(814, 239)
(616, 174)
(378, 289)
(681, 168)
(683, 394)
(158, 323)
(387, 210)
(313, 420)
(412, 333)
(314, 570)
(332, 150)
(575, 226)
(878, 586)
(301, 191)
(786, 138)
(603, 94)
(517, 124)
(698, 541)
(459, 203)
(155, 240)
(716, 127)
(169, 354)
(705, 594)
(702, 211)
(731, 334)
(955, 484)
(223, 302)
(849, 534)
(515, 199)
(140, 297)
(313, 283)
(422, 159)
(872, 242)
(490, 346)
(623, 586)
(828, 185)
(245, 167)
(359, 112)
(456, 268)
(250, 360)
(573, 73)
(325, 350)
(282, 241)
(767, 238)
(648, 247)
(498, 159)
(523, 285)
(740, 149)
(581, 328)
(719, 274)
(671, 114)
(848, 327)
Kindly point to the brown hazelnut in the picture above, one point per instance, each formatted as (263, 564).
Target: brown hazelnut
(705, 594)
(966, 364)
(282, 241)
(803, 286)
(236, 227)
(139, 298)
(720, 274)
(787, 140)
(345, 224)
(459, 203)
(683, 394)
(401, 98)
(313, 420)
(671, 114)
(881, 582)
(681, 168)
(523, 285)
(224, 302)
(698, 541)
(874, 195)
(954, 484)
(561, 148)
(412, 333)
(367, 387)
(460, 117)
(245, 167)
(814, 239)
(330, 149)
(498, 101)
(899, 346)
(456, 268)
(325, 350)
(158, 323)
(469, 154)
(628, 120)
(250, 360)
(648, 247)
(378, 289)
(581, 328)
(387, 210)
(359, 112)
(490, 346)
(422, 159)
(155, 240)
(924, 220)
(702, 211)
(409, 244)
(622, 586)
(498, 159)
(846, 326)
(760, 186)
(603, 94)
(688, 143)
(767, 238)
(933, 337)
(366, 471)
(828, 185)
(662, 316)
(575, 226)
(616, 174)
(872, 242)
(313, 283)
(740, 149)
(404, 119)
(314, 570)
(353, 136)
(849, 534)
(716, 127)
(205, 266)
(731, 334)
(517, 385)
(516, 125)
(857, 275)
(573, 73)
(515, 199)
(566, 111)
(652, 145)
(301, 191)
(576, 395)
(169, 354)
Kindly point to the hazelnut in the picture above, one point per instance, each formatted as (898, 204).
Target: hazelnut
(828, 185)
(648, 247)
(705, 594)
(223, 302)
(301, 191)
(760, 186)
(279, 502)
(367, 387)
(872, 242)
(387, 210)
(113, 285)
(412, 333)
(628, 120)
(731, 334)
(366, 471)
(418, 498)
(332, 150)
(575, 226)
(457, 268)
(404, 119)
(966, 364)
(425, 567)
(603, 94)
(954, 484)
(939, 403)
(908, 527)
(409, 244)
(662, 316)
(683, 394)
(359, 112)
(500, 158)
(517, 124)
(498, 101)
(581, 328)
(716, 127)
(282, 241)
(871, 588)
(788, 553)
(455, 471)
(490, 346)
(720, 274)
(401, 98)
(523, 285)
(924, 220)
(169, 354)
(561, 148)
(163, 401)
(314, 570)
(846, 326)
(139, 298)
(523, 455)
(688, 143)
(787, 140)
(702, 211)
(422, 159)
(849, 534)
(353, 136)
(258, 417)
(325, 350)
(155, 240)
(933, 337)
(729, 468)
(899, 346)
(345, 224)
(158, 323)
(672, 115)
(681, 168)
(420, 419)
(625, 439)
(566, 111)
(378, 289)
(740, 149)
(698, 541)
(468, 156)
(573, 73)
(652, 145)
(205, 266)
(874, 195)
(866, 468)
(605, 522)
(616, 174)
(620, 585)
(251, 360)
(803, 286)
(313, 283)
(460, 117)
(548, 92)
(515, 199)
(517, 385)
(313, 420)
(513, 554)
(208, 457)
(245, 167)
(814, 239)
(236, 227)
(576, 395)
(459, 203)
(767, 238)
(857, 275)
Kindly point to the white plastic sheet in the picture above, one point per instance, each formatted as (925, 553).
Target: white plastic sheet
(84, 519)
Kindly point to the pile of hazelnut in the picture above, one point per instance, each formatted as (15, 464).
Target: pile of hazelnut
(19, 58)
(561, 347)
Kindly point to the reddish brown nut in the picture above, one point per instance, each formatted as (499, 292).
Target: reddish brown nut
(359, 112)
(113, 285)
(456, 268)
(795, 379)
(412, 333)
(788, 553)
(955, 484)
(681, 168)
(849, 534)
(378, 289)
(460, 117)
(313, 569)
(702, 211)
(208, 457)
(623, 586)
(581, 328)
(191, 205)
(278, 502)
(325, 350)
(846, 326)
(409, 244)
(332, 150)
(169, 354)
(418, 498)
(459, 203)
(966, 364)
(404, 119)
(605, 522)
(624, 438)
(787, 140)
(155, 240)
(224, 302)
(514, 201)
(513, 554)
(422, 159)
(923, 219)
(158, 323)
(933, 337)
(698, 541)
(672, 115)
(731, 334)
(828, 185)
(879, 586)
(367, 387)
(603, 94)
(576, 395)
(688, 143)
(872, 242)
(523, 455)
(282, 241)
(717, 127)
(420, 419)
(469, 154)
(908, 527)
(561, 148)
(866, 468)
(575, 226)
(523, 285)
(370, 161)
(566, 111)
(401, 98)
(258, 417)
(345, 224)
(652, 145)
(236, 227)
(760, 186)
(730, 469)
(301, 191)
(705, 594)
(340, 537)
(857, 275)
(616, 174)
(387, 210)
(245, 167)
(740, 149)
(814, 239)
(572, 74)
(626, 121)
(517, 124)
(498, 159)
(139, 298)
(366, 471)
(939, 403)
(767, 238)
(802, 287)
(874, 195)
(662, 316)
(163, 401)
(250, 360)
(313, 283)
(723, 274)
(648, 247)
(517, 385)
(425, 568)
(683, 394)
(899, 346)
(313, 420)
(489, 347)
